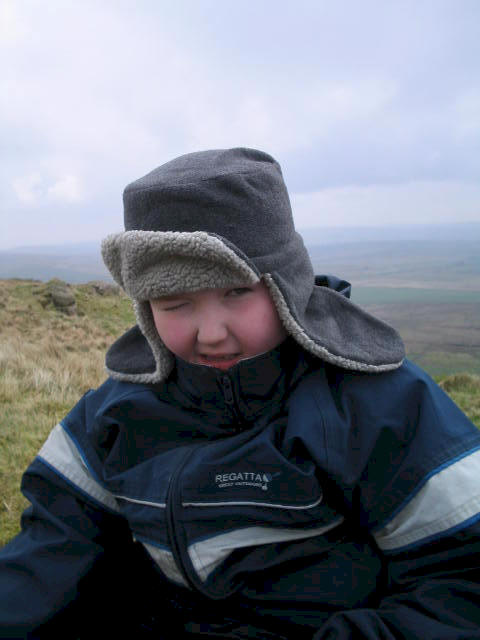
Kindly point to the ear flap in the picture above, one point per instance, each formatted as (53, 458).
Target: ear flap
(337, 331)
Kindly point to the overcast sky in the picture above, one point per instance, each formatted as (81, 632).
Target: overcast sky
(372, 108)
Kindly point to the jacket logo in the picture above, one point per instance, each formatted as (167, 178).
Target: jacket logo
(243, 479)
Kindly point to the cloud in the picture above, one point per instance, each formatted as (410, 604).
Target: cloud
(67, 189)
(376, 95)
(12, 29)
(419, 202)
(34, 190)
(467, 112)
(28, 189)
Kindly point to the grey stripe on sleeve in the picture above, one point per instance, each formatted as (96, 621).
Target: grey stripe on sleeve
(61, 453)
(447, 499)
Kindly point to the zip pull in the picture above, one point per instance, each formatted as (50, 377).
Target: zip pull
(227, 389)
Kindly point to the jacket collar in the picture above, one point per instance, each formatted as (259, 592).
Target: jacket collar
(242, 391)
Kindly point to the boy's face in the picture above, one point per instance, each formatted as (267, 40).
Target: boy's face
(218, 327)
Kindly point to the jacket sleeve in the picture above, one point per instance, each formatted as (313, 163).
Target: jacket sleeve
(408, 462)
(42, 568)
(72, 552)
(431, 593)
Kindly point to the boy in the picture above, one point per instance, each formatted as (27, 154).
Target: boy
(262, 462)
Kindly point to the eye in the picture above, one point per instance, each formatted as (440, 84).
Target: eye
(169, 305)
(238, 291)
(174, 306)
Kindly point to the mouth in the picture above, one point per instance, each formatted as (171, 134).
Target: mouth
(219, 361)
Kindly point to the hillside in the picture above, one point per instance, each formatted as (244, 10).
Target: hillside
(424, 280)
(48, 359)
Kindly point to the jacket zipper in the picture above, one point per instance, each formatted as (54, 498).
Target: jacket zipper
(172, 528)
(180, 552)
(172, 497)
(229, 398)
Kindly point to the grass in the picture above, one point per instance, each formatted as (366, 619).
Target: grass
(49, 359)
(464, 389)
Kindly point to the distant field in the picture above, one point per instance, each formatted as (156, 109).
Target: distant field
(415, 264)
(365, 295)
(440, 327)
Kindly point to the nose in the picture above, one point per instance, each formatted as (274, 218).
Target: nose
(212, 328)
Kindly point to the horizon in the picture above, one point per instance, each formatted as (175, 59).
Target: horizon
(332, 233)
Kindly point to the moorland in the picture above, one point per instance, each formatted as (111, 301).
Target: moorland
(49, 359)
(426, 284)
(424, 281)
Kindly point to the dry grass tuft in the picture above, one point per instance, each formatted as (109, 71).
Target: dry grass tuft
(464, 389)
(48, 360)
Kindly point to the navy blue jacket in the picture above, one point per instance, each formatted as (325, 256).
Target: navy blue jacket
(284, 498)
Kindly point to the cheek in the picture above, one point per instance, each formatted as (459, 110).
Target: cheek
(263, 329)
(274, 330)
(175, 334)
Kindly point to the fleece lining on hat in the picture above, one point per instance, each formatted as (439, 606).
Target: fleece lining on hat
(151, 264)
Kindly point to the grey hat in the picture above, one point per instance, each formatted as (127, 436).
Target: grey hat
(222, 218)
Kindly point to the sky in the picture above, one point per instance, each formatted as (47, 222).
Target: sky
(372, 108)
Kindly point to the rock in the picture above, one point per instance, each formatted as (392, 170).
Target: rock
(62, 297)
(104, 288)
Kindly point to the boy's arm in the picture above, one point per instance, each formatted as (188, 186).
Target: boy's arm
(408, 462)
(72, 561)
(63, 540)
(433, 593)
